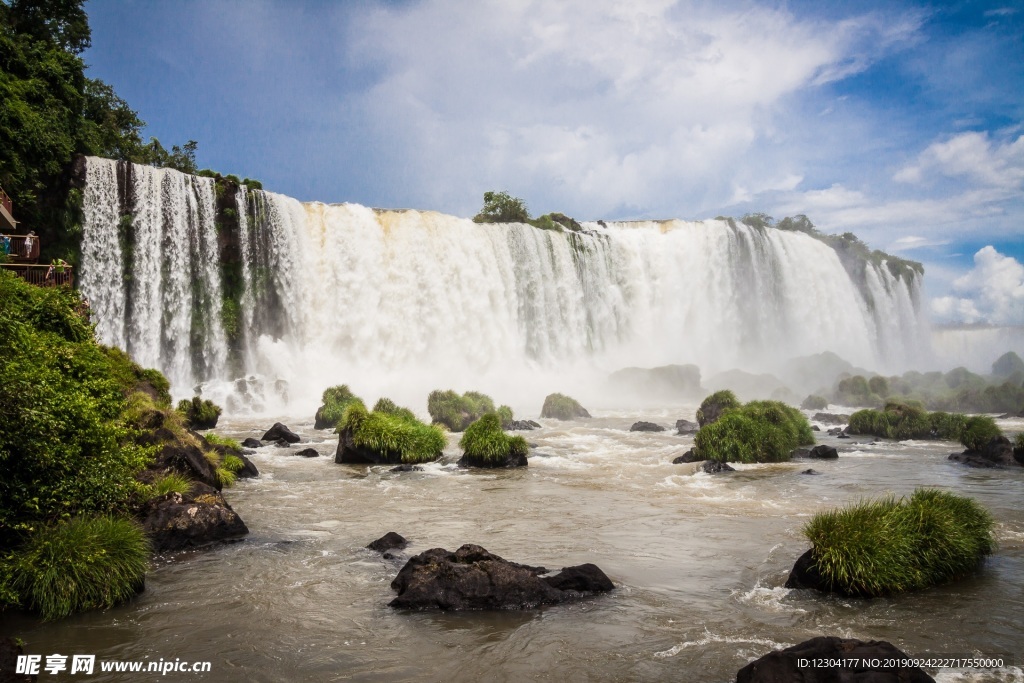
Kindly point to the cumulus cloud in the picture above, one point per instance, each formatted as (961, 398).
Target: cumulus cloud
(991, 292)
(971, 156)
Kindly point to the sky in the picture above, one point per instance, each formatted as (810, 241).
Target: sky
(899, 121)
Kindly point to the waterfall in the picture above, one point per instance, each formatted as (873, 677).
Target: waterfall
(401, 302)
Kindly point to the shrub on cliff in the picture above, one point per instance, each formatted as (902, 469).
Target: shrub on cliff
(485, 444)
(501, 207)
(458, 412)
(332, 407)
(84, 563)
(889, 545)
(562, 407)
(396, 435)
(199, 414)
(759, 431)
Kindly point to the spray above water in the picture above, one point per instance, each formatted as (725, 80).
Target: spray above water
(303, 296)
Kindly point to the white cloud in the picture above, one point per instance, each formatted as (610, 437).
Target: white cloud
(991, 292)
(971, 156)
(915, 242)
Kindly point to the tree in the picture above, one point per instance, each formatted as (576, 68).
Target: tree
(501, 207)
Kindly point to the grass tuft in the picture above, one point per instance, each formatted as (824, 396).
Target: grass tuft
(225, 441)
(85, 563)
(171, 482)
(199, 414)
(334, 401)
(888, 545)
(232, 463)
(907, 420)
(225, 477)
(485, 440)
(458, 412)
(759, 431)
(393, 431)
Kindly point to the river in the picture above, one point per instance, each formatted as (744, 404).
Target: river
(698, 560)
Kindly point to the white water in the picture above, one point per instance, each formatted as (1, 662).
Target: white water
(402, 302)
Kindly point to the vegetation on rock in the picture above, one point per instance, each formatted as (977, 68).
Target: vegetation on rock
(562, 407)
(715, 405)
(903, 421)
(889, 545)
(199, 414)
(814, 402)
(978, 431)
(458, 412)
(394, 432)
(758, 431)
(485, 441)
(333, 403)
(958, 390)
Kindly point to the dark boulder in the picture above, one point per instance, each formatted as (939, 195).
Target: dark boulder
(472, 578)
(249, 470)
(688, 456)
(252, 443)
(805, 575)
(279, 431)
(810, 471)
(686, 427)
(389, 541)
(823, 452)
(998, 452)
(406, 467)
(642, 426)
(349, 453)
(522, 425)
(309, 453)
(511, 460)
(815, 428)
(10, 650)
(716, 467)
(192, 520)
(794, 664)
(185, 458)
(831, 418)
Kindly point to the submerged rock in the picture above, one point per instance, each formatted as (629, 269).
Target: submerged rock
(406, 467)
(309, 453)
(810, 471)
(280, 431)
(249, 470)
(642, 426)
(716, 467)
(198, 518)
(686, 427)
(512, 459)
(823, 452)
(473, 578)
(794, 664)
(522, 425)
(998, 452)
(252, 443)
(389, 541)
(688, 456)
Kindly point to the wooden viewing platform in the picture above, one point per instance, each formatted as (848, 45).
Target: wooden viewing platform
(41, 275)
(16, 252)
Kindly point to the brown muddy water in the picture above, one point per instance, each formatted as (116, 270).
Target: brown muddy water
(699, 562)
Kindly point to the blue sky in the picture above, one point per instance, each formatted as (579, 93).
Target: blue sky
(902, 122)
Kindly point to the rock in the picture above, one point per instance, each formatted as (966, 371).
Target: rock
(522, 425)
(815, 428)
(389, 541)
(472, 578)
(406, 467)
(712, 407)
(835, 431)
(642, 426)
(349, 453)
(715, 467)
(512, 460)
(192, 520)
(844, 435)
(800, 453)
(309, 453)
(810, 472)
(562, 407)
(998, 452)
(688, 456)
(784, 666)
(186, 459)
(831, 418)
(252, 443)
(823, 452)
(686, 427)
(279, 431)
(10, 649)
(249, 471)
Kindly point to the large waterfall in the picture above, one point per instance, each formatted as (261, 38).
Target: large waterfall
(401, 302)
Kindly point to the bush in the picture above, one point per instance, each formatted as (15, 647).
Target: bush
(506, 415)
(886, 546)
(978, 431)
(501, 207)
(562, 407)
(458, 412)
(85, 563)
(199, 414)
(715, 405)
(814, 402)
(397, 434)
(335, 400)
(902, 421)
(485, 440)
(760, 431)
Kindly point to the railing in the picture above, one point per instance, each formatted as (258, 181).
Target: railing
(15, 248)
(43, 275)
(6, 201)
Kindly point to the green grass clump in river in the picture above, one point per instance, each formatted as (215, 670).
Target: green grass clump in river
(484, 440)
(394, 431)
(759, 431)
(889, 545)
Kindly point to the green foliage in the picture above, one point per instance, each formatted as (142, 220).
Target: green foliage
(225, 441)
(962, 391)
(84, 563)
(333, 403)
(886, 546)
(562, 407)
(171, 482)
(716, 404)
(232, 463)
(458, 412)
(485, 440)
(506, 415)
(501, 207)
(814, 402)
(879, 386)
(978, 431)
(386, 405)
(396, 434)
(224, 476)
(903, 421)
(199, 414)
(65, 447)
(759, 431)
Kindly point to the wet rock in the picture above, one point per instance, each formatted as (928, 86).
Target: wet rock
(249, 471)
(810, 471)
(192, 520)
(831, 418)
(511, 460)
(815, 428)
(823, 452)
(473, 578)
(998, 452)
(642, 426)
(686, 427)
(10, 649)
(186, 459)
(800, 453)
(252, 443)
(688, 456)
(389, 541)
(349, 453)
(792, 664)
(279, 431)
(406, 467)
(522, 425)
(715, 467)
(309, 453)
(844, 435)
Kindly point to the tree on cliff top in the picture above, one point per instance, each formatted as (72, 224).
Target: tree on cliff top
(501, 207)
